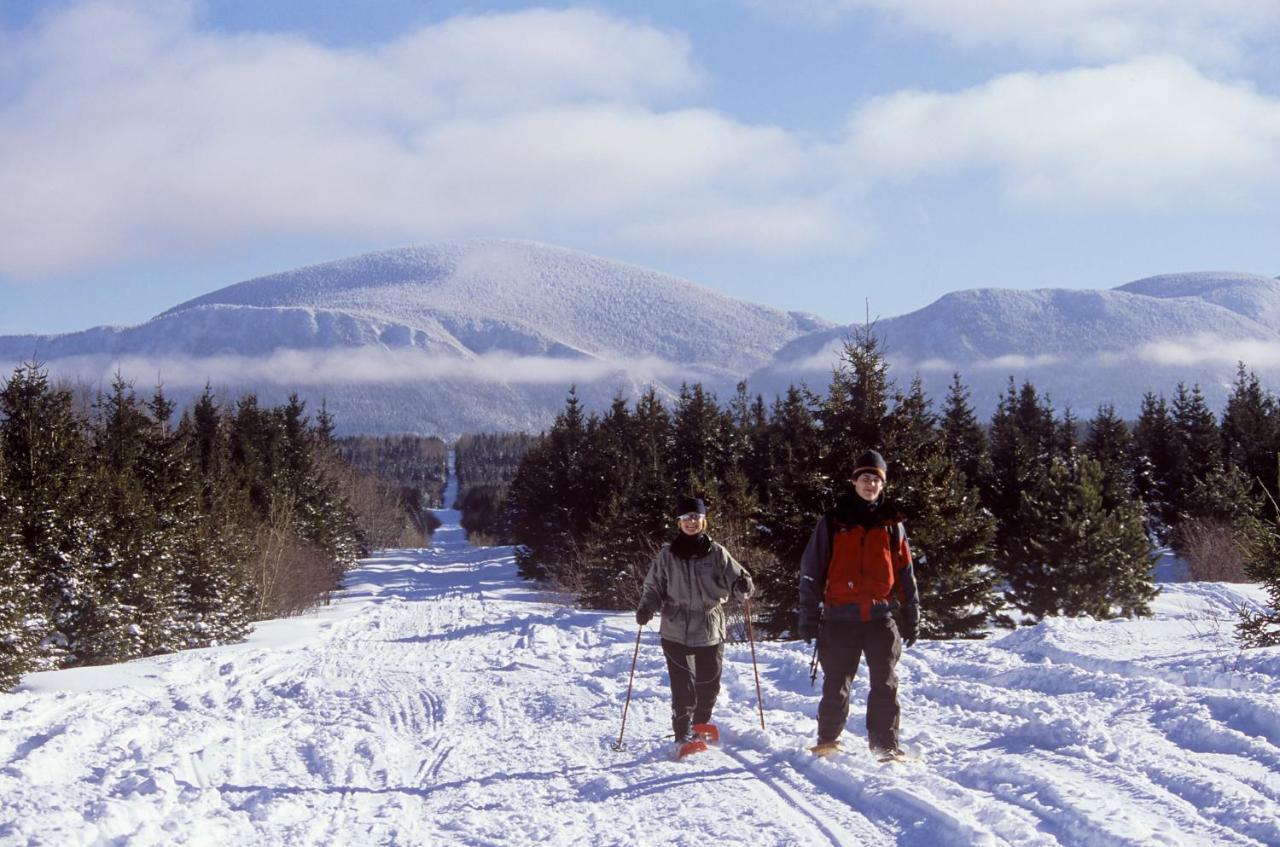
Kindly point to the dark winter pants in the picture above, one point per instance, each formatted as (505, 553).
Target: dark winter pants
(695, 683)
(840, 646)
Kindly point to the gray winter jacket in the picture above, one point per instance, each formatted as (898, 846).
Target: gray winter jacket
(691, 594)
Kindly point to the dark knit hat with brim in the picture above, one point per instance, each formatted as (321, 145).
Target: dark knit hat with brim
(870, 462)
(690, 505)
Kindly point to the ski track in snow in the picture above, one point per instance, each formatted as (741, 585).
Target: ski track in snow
(442, 701)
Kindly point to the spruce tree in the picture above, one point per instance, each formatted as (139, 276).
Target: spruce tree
(1154, 463)
(794, 497)
(43, 444)
(21, 621)
(1077, 557)
(853, 410)
(1251, 431)
(963, 439)
(1199, 446)
(1023, 443)
(217, 548)
(1110, 444)
(949, 532)
(133, 547)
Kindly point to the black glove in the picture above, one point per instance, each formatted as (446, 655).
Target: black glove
(910, 625)
(643, 615)
(808, 631)
(742, 586)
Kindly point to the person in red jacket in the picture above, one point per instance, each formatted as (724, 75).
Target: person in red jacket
(855, 573)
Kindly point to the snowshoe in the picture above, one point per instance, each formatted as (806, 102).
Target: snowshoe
(825, 748)
(708, 732)
(689, 746)
(891, 754)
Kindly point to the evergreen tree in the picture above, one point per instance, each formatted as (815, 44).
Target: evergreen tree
(795, 495)
(702, 441)
(133, 545)
(217, 549)
(855, 406)
(949, 532)
(1251, 431)
(1110, 445)
(1261, 534)
(963, 439)
(20, 604)
(1023, 438)
(1154, 463)
(549, 509)
(1199, 446)
(43, 447)
(1077, 557)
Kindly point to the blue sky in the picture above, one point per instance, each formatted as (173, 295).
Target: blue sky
(816, 155)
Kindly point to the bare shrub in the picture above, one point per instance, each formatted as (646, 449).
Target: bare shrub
(1213, 549)
(288, 575)
(379, 506)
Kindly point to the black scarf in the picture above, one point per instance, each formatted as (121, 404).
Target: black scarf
(852, 510)
(691, 546)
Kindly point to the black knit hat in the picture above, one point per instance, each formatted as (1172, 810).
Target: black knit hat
(870, 462)
(685, 505)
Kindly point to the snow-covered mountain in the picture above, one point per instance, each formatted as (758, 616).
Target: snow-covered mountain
(1083, 348)
(485, 335)
(477, 335)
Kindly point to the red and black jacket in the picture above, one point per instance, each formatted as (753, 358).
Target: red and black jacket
(856, 571)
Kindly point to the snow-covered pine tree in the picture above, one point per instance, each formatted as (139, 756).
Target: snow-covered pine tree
(949, 532)
(1110, 444)
(21, 620)
(134, 551)
(42, 440)
(216, 546)
(1076, 557)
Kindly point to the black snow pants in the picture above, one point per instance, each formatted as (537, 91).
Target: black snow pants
(840, 646)
(695, 682)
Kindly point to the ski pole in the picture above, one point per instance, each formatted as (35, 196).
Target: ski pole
(813, 665)
(746, 608)
(619, 746)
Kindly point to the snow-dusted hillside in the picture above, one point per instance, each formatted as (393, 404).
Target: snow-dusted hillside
(1081, 347)
(489, 335)
(472, 336)
(443, 701)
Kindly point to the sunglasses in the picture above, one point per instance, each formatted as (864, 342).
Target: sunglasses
(690, 516)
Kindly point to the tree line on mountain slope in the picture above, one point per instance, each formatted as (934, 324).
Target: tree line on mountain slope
(1038, 512)
(124, 533)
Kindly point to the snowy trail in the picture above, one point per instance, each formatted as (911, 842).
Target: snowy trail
(444, 701)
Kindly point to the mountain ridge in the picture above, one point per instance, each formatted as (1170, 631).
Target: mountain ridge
(490, 333)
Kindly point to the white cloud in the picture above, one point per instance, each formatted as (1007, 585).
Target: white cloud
(1209, 349)
(1143, 134)
(128, 131)
(359, 365)
(1215, 31)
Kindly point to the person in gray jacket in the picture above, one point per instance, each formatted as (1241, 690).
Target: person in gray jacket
(689, 581)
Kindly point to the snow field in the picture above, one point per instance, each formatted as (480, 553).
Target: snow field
(444, 701)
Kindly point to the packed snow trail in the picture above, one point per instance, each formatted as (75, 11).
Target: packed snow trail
(441, 700)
